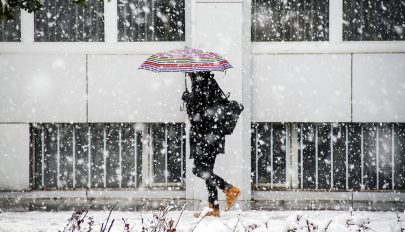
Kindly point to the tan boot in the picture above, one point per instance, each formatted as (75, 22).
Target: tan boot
(232, 195)
(214, 211)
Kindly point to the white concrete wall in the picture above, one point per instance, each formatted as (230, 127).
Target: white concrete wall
(119, 92)
(379, 87)
(42, 88)
(301, 88)
(39, 84)
(14, 156)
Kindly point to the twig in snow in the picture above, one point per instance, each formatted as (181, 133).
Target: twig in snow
(112, 222)
(143, 226)
(202, 216)
(309, 230)
(181, 213)
(108, 218)
(90, 223)
(236, 224)
(327, 226)
(126, 225)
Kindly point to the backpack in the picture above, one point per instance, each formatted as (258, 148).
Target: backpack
(223, 115)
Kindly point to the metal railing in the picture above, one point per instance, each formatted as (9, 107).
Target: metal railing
(336, 156)
(107, 155)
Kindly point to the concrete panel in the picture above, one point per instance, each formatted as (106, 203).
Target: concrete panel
(119, 92)
(379, 87)
(301, 88)
(14, 156)
(221, 31)
(42, 88)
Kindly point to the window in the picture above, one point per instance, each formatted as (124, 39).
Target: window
(10, 30)
(151, 20)
(290, 20)
(64, 21)
(269, 155)
(340, 156)
(107, 155)
(373, 20)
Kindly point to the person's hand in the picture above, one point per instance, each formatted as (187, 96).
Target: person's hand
(186, 96)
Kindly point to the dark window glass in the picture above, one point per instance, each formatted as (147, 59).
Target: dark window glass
(290, 20)
(340, 156)
(64, 21)
(151, 20)
(373, 20)
(62, 153)
(10, 30)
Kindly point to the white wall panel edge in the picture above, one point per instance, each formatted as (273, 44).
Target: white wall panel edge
(246, 118)
(14, 156)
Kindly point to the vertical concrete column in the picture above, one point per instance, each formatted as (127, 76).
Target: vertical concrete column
(217, 26)
(14, 156)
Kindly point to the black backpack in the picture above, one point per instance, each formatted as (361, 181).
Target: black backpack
(223, 115)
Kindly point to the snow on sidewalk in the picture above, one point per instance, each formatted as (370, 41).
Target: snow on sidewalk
(273, 220)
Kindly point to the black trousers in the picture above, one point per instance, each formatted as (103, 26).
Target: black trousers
(204, 168)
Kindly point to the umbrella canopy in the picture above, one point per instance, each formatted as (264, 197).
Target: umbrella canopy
(185, 60)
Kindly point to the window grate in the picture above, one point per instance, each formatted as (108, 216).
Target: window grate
(107, 155)
(336, 156)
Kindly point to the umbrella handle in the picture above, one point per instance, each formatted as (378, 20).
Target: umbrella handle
(185, 81)
(182, 106)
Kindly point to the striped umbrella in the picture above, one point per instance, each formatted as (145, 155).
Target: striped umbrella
(185, 60)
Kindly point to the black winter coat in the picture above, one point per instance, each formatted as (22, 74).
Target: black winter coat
(204, 138)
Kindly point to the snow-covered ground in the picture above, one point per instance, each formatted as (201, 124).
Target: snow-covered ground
(229, 221)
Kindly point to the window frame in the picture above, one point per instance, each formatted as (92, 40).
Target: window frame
(336, 44)
(111, 45)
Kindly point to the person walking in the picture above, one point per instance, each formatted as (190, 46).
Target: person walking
(207, 141)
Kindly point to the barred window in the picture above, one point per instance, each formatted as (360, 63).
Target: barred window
(341, 156)
(107, 155)
(373, 20)
(10, 30)
(269, 155)
(290, 20)
(151, 20)
(64, 21)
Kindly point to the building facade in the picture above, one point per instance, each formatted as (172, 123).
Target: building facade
(322, 83)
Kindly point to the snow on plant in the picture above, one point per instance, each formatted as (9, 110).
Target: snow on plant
(342, 223)
(158, 222)
(76, 220)
(351, 221)
(300, 222)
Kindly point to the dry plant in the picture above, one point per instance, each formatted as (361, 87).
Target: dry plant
(158, 223)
